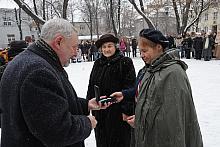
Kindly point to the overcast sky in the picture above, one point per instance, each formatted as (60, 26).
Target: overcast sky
(7, 4)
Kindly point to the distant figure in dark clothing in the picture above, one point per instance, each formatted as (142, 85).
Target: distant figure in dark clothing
(187, 44)
(198, 46)
(134, 47)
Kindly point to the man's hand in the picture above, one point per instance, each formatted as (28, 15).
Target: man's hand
(94, 105)
(118, 95)
(92, 120)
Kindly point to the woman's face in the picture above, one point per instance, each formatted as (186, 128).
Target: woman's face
(108, 49)
(148, 53)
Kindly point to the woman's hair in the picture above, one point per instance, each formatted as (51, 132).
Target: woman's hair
(57, 26)
(145, 42)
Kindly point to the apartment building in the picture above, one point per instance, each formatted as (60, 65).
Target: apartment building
(9, 29)
(210, 20)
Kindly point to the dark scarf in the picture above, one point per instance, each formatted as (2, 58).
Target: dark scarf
(46, 51)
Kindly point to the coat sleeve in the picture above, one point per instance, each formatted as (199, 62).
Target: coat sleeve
(46, 111)
(90, 91)
(128, 82)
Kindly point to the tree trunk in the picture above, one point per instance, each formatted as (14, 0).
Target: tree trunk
(65, 5)
(119, 18)
(44, 14)
(112, 18)
(18, 21)
(178, 27)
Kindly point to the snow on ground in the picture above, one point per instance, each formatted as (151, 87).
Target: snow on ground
(204, 77)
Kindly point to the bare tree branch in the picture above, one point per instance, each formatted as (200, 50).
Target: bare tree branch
(55, 10)
(23, 6)
(149, 22)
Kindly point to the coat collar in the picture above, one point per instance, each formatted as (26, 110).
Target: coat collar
(41, 48)
(166, 59)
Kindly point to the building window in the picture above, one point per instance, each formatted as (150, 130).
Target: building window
(215, 15)
(11, 37)
(7, 23)
(206, 16)
(81, 27)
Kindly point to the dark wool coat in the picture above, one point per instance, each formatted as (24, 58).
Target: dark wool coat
(111, 75)
(165, 114)
(40, 107)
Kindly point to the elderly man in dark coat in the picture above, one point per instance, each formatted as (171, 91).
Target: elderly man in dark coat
(39, 105)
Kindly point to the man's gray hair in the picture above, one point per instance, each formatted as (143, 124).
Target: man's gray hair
(57, 26)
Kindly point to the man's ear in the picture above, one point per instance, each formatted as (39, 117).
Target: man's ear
(58, 41)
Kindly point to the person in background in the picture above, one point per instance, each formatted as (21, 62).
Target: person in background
(94, 51)
(83, 49)
(40, 108)
(134, 47)
(128, 48)
(112, 72)
(165, 114)
(122, 46)
(207, 47)
(79, 55)
(198, 46)
(28, 40)
(16, 47)
(179, 45)
(187, 45)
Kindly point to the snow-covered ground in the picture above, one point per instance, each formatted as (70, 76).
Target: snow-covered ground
(204, 77)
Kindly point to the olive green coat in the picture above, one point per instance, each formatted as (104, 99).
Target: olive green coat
(165, 113)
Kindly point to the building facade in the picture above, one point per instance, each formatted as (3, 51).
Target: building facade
(9, 29)
(210, 20)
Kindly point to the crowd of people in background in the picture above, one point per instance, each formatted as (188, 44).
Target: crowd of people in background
(197, 46)
(192, 45)
(87, 50)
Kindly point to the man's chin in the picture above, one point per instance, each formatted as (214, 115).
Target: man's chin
(67, 64)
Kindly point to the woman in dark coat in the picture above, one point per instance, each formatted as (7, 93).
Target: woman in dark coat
(112, 72)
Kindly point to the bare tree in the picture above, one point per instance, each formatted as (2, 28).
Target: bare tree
(56, 6)
(18, 21)
(183, 9)
(142, 13)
